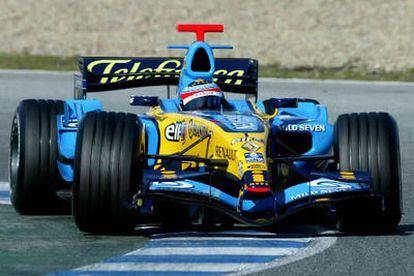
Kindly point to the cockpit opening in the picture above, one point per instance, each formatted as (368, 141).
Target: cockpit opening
(201, 62)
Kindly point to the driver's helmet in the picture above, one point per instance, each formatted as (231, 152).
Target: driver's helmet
(201, 94)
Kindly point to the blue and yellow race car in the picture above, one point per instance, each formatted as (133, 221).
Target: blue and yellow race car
(200, 157)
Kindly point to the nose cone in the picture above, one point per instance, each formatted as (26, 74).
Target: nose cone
(260, 207)
(257, 201)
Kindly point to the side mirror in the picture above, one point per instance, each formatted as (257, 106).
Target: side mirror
(143, 100)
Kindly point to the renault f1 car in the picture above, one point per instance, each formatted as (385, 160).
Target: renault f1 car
(248, 160)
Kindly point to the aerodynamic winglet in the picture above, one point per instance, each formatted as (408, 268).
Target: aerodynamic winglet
(200, 29)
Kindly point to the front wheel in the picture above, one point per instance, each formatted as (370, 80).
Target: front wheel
(106, 172)
(369, 142)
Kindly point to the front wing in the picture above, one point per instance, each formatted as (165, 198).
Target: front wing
(324, 188)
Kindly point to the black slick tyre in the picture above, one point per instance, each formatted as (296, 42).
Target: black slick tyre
(106, 172)
(370, 142)
(34, 176)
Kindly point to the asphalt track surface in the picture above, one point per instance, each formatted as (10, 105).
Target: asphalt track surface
(46, 244)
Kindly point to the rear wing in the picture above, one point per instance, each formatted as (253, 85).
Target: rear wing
(236, 75)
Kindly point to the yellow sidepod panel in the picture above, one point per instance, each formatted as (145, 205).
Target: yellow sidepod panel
(179, 131)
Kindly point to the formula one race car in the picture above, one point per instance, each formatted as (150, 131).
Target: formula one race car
(200, 157)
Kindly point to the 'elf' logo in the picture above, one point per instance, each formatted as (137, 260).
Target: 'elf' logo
(175, 132)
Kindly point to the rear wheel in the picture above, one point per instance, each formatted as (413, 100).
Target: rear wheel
(369, 142)
(106, 172)
(34, 176)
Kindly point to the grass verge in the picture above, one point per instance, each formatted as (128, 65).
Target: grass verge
(339, 73)
(25, 61)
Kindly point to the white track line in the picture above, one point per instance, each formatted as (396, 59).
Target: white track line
(154, 267)
(321, 244)
(248, 251)
(5, 188)
(237, 252)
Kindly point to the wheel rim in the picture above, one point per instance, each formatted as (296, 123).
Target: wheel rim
(14, 158)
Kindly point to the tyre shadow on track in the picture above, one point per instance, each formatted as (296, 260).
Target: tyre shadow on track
(298, 231)
(405, 229)
(282, 231)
